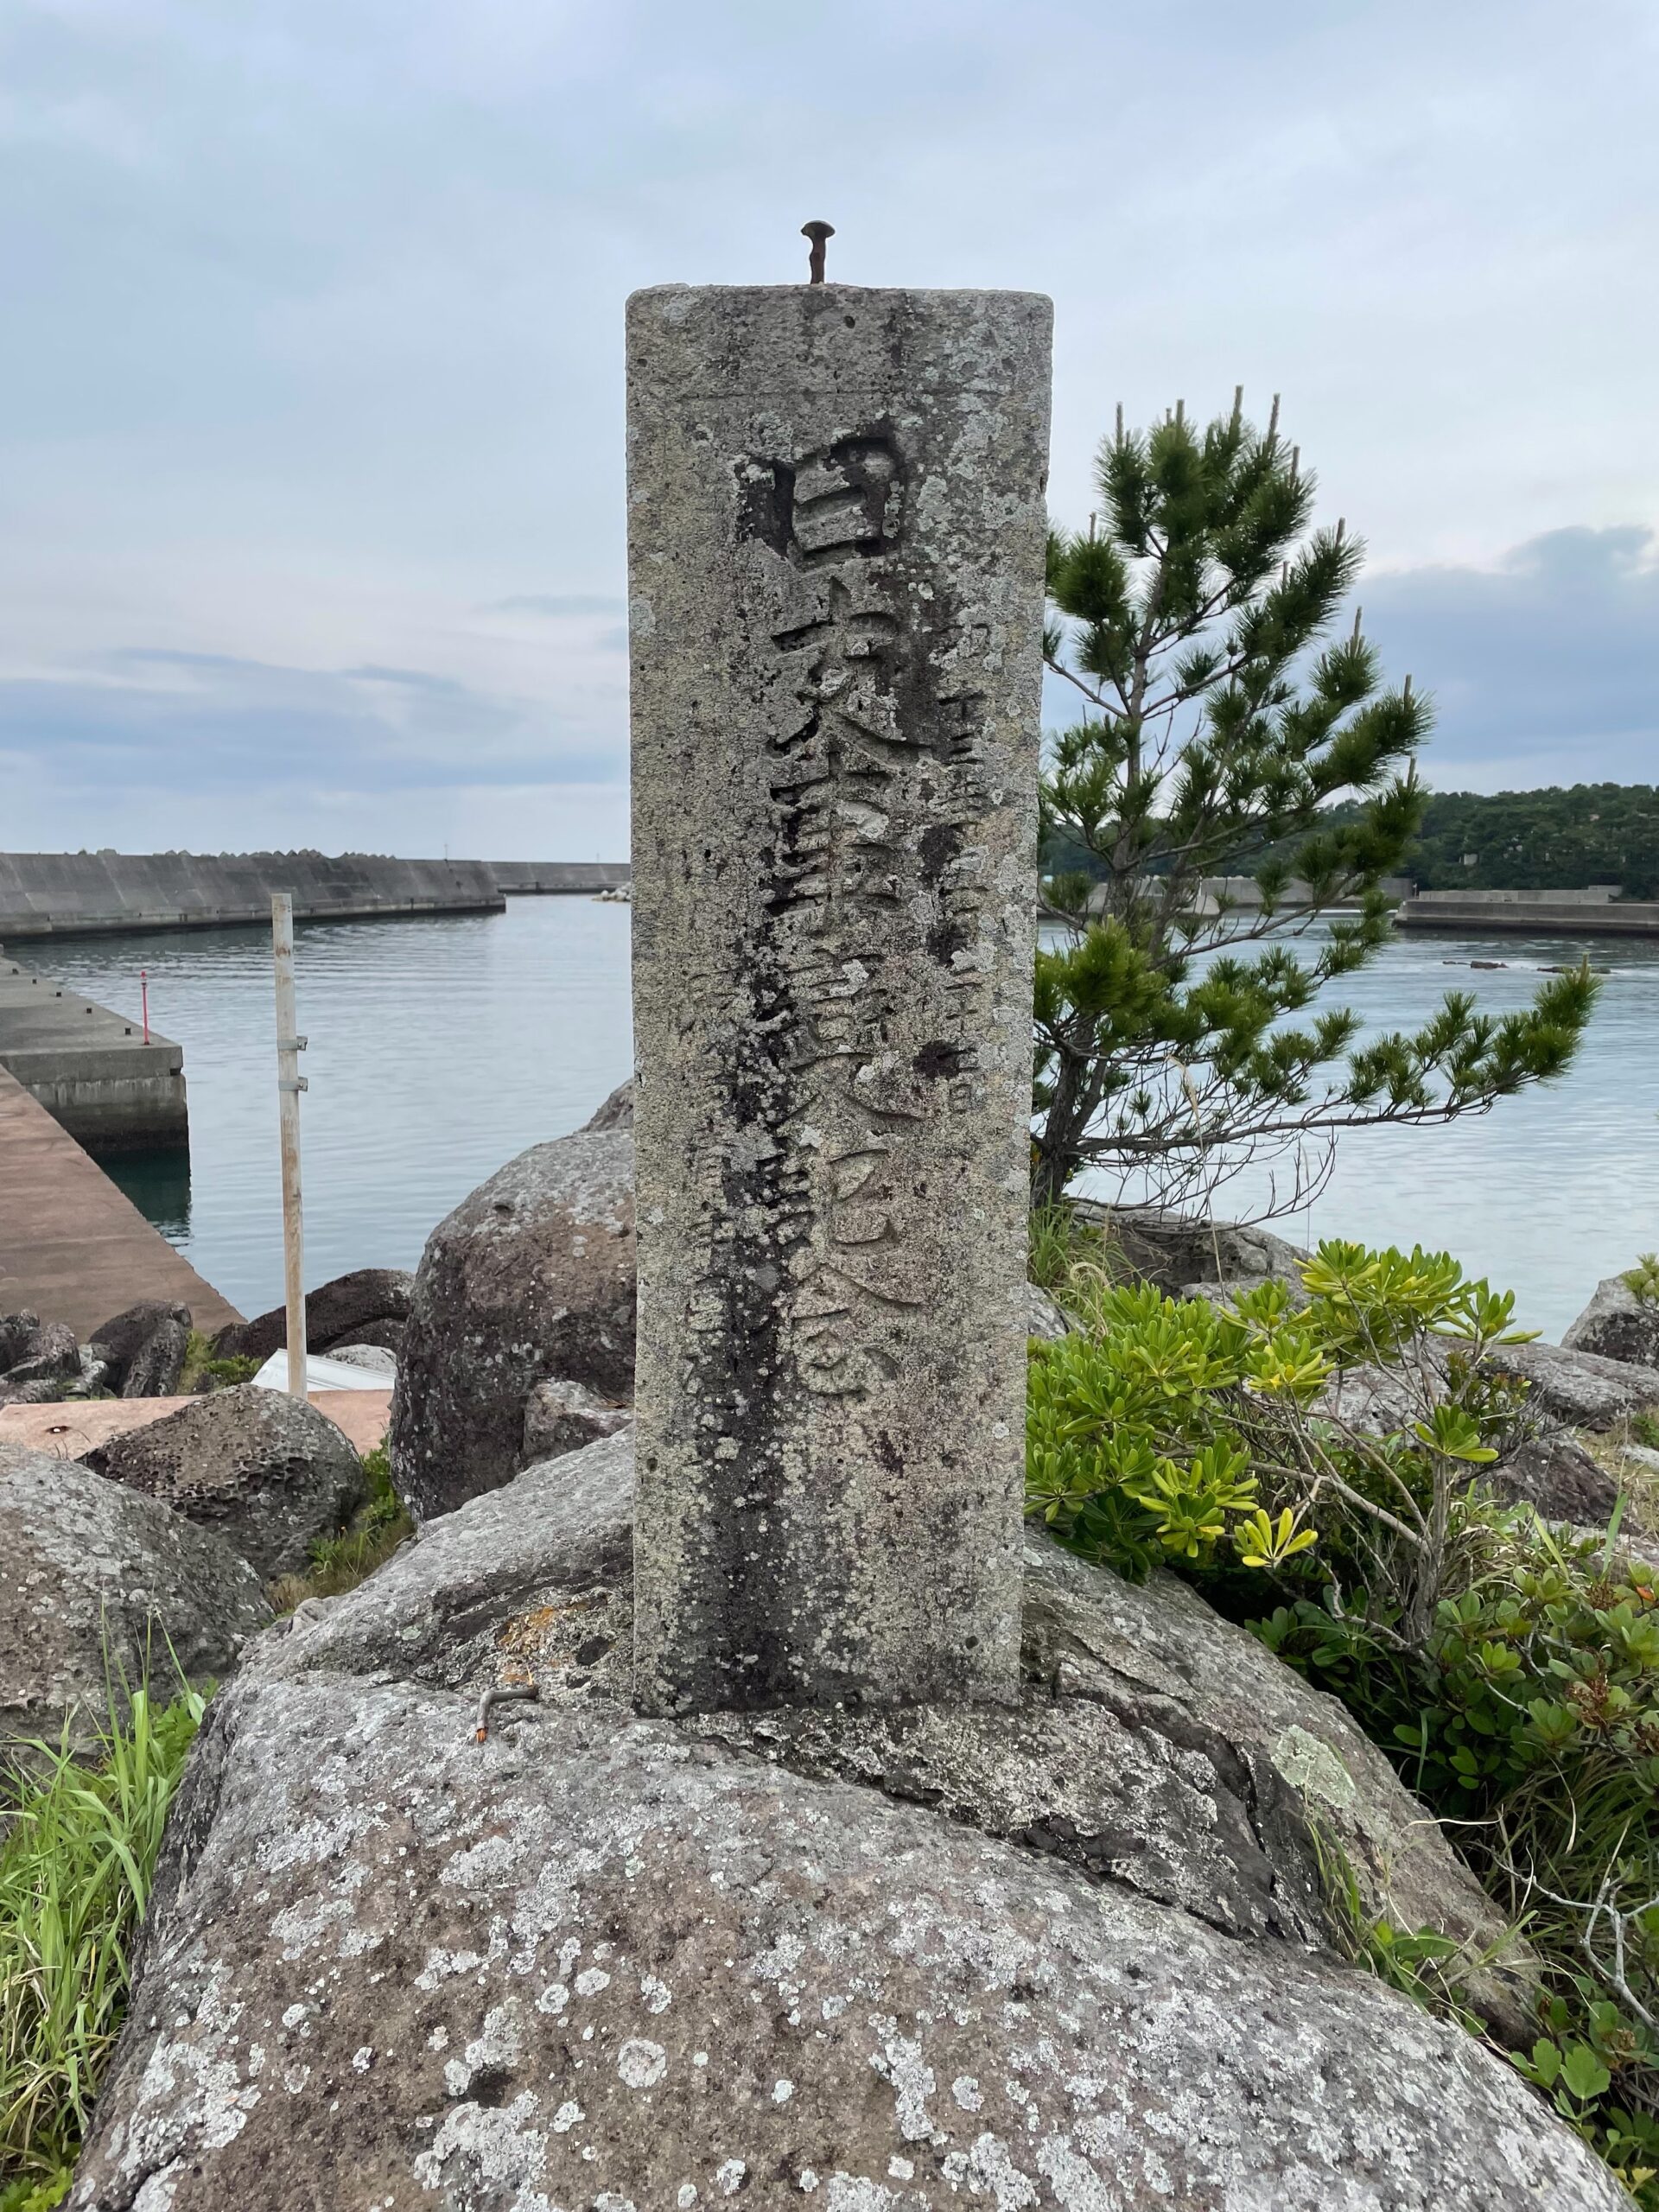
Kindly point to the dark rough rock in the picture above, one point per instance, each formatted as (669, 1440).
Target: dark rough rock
(52, 1355)
(1158, 1742)
(1618, 1325)
(531, 1276)
(562, 1416)
(143, 1349)
(384, 1336)
(1554, 1472)
(1579, 1388)
(601, 1962)
(18, 1332)
(1178, 1251)
(617, 1112)
(267, 1472)
(336, 1312)
(81, 1560)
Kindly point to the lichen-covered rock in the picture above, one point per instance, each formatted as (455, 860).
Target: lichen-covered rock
(1579, 1388)
(563, 1417)
(1618, 1325)
(267, 1472)
(531, 1276)
(339, 1312)
(616, 1112)
(1043, 1317)
(143, 1349)
(591, 1962)
(1155, 1742)
(96, 1583)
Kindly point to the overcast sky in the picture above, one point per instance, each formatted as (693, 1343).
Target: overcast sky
(311, 395)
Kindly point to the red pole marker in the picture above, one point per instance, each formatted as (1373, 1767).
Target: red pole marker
(144, 992)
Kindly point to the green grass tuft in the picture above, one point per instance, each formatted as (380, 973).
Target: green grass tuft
(75, 1869)
(338, 1563)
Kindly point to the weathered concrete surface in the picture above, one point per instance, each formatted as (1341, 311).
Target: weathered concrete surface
(267, 1472)
(532, 1276)
(1618, 1325)
(59, 895)
(607, 1963)
(92, 1070)
(72, 1247)
(836, 570)
(95, 1583)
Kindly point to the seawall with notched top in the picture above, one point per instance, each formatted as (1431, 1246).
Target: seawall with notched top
(58, 894)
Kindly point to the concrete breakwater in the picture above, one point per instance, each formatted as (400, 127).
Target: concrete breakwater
(554, 879)
(1553, 913)
(56, 894)
(95, 1072)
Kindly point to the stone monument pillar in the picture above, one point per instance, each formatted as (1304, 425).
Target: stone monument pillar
(836, 573)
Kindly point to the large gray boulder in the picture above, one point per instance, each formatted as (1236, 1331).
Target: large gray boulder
(1156, 1741)
(369, 1306)
(142, 1350)
(1618, 1325)
(267, 1472)
(597, 1962)
(96, 1585)
(1579, 1388)
(1551, 1471)
(532, 1276)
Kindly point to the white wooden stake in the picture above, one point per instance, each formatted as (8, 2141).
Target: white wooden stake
(289, 1084)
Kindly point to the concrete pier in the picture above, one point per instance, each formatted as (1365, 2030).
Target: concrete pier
(72, 1248)
(92, 1070)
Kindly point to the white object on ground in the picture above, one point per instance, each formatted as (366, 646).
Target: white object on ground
(320, 1374)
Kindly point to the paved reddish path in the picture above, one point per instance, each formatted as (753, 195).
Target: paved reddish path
(72, 1248)
(78, 1427)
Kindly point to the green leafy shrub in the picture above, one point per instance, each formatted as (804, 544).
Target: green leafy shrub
(202, 1374)
(1321, 1476)
(1643, 1279)
(1174, 1428)
(75, 1869)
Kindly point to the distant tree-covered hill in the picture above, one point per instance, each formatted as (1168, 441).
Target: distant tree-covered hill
(1550, 840)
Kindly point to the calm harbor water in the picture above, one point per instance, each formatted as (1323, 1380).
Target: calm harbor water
(440, 1048)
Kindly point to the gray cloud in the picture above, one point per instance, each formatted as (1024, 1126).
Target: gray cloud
(209, 721)
(315, 321)
(1543, 669)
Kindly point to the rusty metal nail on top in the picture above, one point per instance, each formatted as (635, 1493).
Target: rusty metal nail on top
(817, 232)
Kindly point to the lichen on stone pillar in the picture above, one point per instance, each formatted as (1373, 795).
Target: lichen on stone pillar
(836, 573)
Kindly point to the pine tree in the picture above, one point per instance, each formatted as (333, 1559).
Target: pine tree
(1222, 721)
